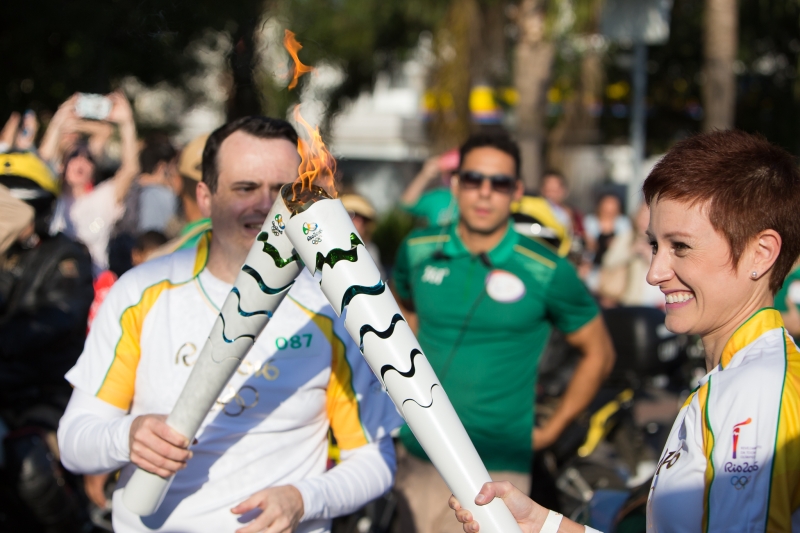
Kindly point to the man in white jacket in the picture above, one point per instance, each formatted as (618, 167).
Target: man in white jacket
(259, 460)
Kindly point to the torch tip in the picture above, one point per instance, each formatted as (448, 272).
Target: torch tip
(298, 201)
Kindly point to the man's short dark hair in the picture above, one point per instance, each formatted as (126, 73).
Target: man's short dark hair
(255, 125)
(150, 240)
(498, 141)
(157, 149)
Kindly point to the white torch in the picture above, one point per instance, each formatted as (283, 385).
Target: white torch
(326, 240)
(268, 272)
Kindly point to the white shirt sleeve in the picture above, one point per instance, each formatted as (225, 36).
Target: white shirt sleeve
(364, 474)
(93, 435)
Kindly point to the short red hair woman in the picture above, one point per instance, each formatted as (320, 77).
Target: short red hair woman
(725, 232)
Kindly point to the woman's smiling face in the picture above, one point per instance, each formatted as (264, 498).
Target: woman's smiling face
(692, 266)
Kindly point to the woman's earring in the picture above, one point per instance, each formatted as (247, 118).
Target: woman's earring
(754, 274)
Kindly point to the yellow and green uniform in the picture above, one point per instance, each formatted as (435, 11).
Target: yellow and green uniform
(483, 323)
(302, 377)
(732, 460)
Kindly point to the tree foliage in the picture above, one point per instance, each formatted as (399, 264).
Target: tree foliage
(55, 48)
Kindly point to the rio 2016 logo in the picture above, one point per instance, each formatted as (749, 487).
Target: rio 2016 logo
(277, 225)
(744, 467)
(312, 232)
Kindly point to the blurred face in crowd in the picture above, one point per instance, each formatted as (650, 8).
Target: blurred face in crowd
(485, 208)
(609, 207)
(362, 224)
(251, 170)
(692, 266)
(79, 173)
(553, 189)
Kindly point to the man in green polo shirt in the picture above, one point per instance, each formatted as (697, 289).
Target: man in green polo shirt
(484, 300)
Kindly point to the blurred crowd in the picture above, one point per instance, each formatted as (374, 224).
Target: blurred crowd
(92, 199)
(89, 198)
(127, 198)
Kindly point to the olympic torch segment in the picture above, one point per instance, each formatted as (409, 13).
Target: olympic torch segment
(326, 240)
(267, 275)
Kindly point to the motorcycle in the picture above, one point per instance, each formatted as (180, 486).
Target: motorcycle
(36, 493)
(605, 459)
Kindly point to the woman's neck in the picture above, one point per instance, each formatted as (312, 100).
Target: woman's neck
(77, 192)
(715, 341)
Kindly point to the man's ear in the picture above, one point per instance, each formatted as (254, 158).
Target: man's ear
(203, 195)
(454, 185)
(518, 192)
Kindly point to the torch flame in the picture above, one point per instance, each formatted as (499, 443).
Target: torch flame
(317, 165)
(292, 46)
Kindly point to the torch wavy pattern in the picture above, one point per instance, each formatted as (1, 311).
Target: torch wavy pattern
(261, 285)
(337, 254)
(407, 374)
(242, 312)
(385, 334)
(355, 290)
(273, 252)
(229, 341)
(416, 402)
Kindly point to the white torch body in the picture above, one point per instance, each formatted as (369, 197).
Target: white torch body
(325, 238)
(267, 275)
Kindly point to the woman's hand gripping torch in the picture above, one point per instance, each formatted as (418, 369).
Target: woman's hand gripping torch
(268, 272)
(326, 240)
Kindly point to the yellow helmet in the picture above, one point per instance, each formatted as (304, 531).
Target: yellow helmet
(29, 166)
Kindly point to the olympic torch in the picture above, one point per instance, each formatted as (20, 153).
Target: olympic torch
(325, 239)
(268, 272)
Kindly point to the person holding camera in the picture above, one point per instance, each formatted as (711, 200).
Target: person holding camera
(87, 210)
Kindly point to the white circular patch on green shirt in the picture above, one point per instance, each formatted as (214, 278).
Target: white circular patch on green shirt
(503, 286)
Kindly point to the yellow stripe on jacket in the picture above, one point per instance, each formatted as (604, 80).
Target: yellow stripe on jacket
(342, 404)
(708, 448)
(118, 385)
(784, 496)
(120, 380)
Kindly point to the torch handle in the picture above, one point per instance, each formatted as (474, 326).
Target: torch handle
(145, 491)
(269, 271)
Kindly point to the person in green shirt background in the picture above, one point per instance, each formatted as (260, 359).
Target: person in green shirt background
(483, 300)
(787, 301)
(436, 207)
(190, 170)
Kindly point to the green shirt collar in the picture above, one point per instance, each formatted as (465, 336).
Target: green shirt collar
(454, 247)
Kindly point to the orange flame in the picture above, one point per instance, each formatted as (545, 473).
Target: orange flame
(317, 165)
(292, 46)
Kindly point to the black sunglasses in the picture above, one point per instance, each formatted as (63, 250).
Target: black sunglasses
(501, 183)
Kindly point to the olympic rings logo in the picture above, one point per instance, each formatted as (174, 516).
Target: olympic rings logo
(739, 482)
(239, 403)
